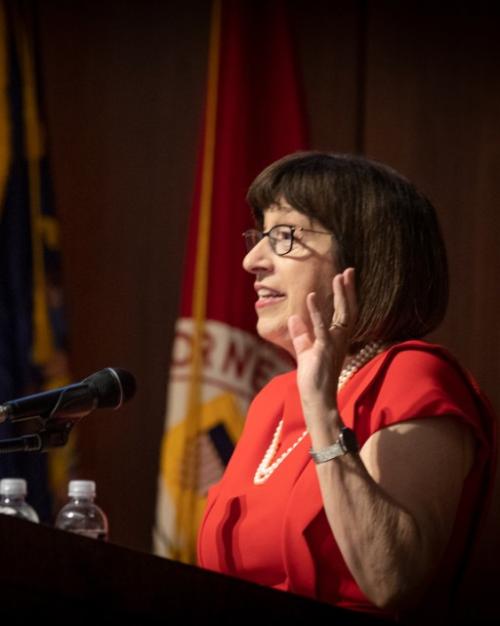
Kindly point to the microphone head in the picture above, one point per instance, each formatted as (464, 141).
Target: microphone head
(112, 386)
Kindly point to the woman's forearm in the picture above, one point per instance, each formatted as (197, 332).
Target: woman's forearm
(380, 541)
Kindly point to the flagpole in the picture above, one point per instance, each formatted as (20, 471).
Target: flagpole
(186, 518)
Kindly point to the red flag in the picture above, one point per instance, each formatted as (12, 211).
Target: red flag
(253, 116)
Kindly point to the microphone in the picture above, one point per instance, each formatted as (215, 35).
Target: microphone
(107, 388)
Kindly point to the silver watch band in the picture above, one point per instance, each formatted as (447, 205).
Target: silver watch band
(327, 454)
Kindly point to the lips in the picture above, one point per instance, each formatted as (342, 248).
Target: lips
(269, 293)
(267, 296)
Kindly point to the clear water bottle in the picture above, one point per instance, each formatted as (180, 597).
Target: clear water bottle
(13, 493)
(81, 515)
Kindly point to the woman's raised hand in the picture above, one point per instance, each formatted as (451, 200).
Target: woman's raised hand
(321, 348)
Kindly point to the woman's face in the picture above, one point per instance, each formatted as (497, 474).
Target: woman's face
(283, 282)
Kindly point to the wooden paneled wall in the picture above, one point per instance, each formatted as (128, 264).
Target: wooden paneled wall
(124, 87)
(406, 83)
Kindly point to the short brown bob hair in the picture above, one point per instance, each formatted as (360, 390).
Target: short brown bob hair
(384, 227)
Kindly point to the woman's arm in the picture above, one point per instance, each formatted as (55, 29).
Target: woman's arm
(391, 508)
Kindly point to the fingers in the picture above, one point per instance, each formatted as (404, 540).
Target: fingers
(299, 334)
(299, 330)
(344, 302)
(320, 329)
(343, 320)
(350, 290)
(340, 317)
(296, 326)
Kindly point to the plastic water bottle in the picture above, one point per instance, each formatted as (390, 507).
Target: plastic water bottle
(13, 493)
(81, 515)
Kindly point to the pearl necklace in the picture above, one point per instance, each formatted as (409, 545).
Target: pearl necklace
(266, 468)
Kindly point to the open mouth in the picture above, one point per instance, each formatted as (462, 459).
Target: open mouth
(268, 296)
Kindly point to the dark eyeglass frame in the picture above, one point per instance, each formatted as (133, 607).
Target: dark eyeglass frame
(252, 234)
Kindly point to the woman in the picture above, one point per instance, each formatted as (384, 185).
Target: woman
(359, 476)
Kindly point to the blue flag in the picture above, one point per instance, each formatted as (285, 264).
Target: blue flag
(32, 333)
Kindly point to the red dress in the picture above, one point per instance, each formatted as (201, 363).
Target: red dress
(276, 533)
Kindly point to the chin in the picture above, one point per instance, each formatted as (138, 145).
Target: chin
(278, 336)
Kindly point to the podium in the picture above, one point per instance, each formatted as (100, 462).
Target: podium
(50, 574)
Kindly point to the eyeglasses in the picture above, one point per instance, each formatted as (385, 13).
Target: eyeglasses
(281, 237)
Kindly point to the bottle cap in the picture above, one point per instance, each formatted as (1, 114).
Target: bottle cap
(82, 488)
(13, 487)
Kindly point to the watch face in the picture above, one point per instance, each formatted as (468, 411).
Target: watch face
(348, 440)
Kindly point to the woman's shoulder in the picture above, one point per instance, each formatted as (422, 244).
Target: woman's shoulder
(418, 348)
(416, 379)
(417, 361)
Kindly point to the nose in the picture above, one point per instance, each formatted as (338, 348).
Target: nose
(259, 258)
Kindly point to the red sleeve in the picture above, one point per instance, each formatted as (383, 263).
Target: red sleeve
(417, 383)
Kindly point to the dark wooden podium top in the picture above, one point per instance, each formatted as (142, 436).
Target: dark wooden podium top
(50, 574)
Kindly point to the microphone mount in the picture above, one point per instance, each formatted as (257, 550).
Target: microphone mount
(51, 436)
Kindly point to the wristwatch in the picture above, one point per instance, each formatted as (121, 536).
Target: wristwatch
(346, 442)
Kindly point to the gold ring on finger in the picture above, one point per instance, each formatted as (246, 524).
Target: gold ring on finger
(337, 325)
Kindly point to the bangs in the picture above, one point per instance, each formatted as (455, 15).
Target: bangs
(291, 179)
